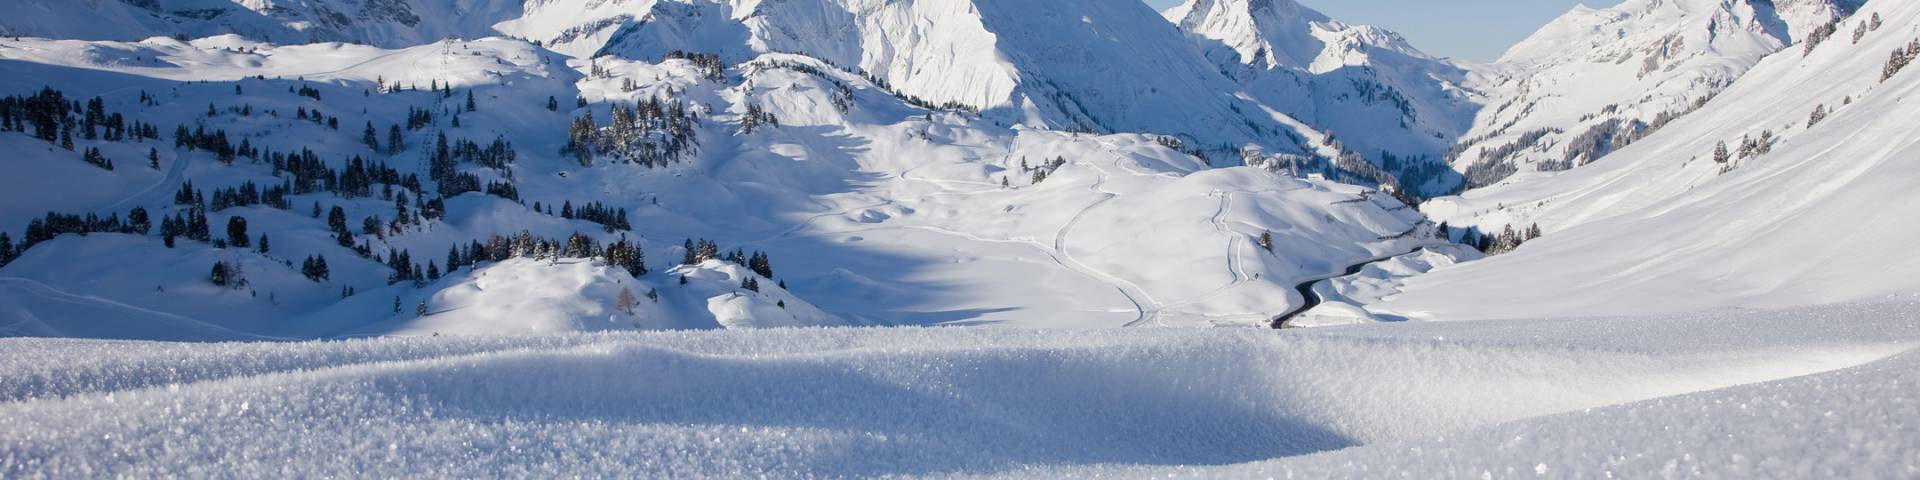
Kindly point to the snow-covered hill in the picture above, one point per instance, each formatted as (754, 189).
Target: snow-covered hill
(1812, 203)
(1596, 80)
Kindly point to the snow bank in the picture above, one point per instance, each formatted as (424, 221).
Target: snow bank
(940, 402)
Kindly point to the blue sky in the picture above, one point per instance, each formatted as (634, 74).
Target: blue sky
(1478, 30)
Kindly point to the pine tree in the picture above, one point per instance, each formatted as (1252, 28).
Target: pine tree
(422, 309)
(553, 104)
(1720, 153)
(1819, 114)
(1266, 241)
(137, 221)
(470, 105)
(371, 138)
(219, 276)
(337, 220)
(237, 232)
(6, 249)
(153, 158)
(394, 140)
(315, 268)
(264, 247)
(761, 264)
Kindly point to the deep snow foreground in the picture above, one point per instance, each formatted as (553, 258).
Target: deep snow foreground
(1828, 391)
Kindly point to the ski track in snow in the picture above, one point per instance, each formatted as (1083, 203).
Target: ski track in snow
(176, 171)
(48, 292)
(1127, 289)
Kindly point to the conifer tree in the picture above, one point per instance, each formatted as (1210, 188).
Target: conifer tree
(137, 221)
(394, 141)
(237, 232)
(6, 249)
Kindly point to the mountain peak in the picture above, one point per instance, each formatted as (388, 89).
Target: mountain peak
(1267, 34)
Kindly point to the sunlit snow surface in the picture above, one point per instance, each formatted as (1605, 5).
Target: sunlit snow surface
(1819, 392)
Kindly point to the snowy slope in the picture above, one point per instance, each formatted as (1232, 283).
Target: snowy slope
(1595, 80)
(1829, 395)
(1659, 226)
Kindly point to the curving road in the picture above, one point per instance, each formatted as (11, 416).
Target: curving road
(1313, 299)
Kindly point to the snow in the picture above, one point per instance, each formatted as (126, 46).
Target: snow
(1573, 397)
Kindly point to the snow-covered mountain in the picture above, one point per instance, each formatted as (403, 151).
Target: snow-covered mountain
(1091, 65)
(1791, 187)
(1380, 98)
(386, 23)
(1596, 80)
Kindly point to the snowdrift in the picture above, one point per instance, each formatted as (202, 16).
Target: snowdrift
(941, 402)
